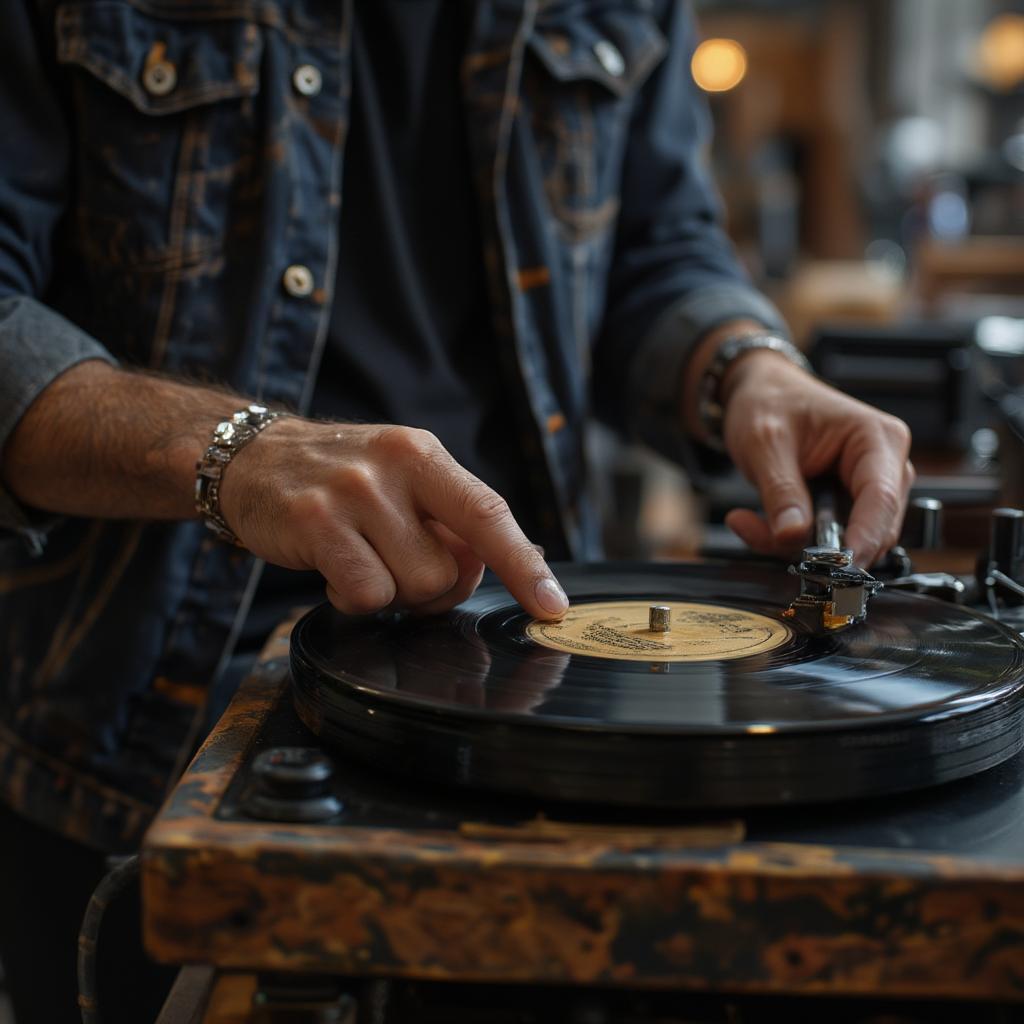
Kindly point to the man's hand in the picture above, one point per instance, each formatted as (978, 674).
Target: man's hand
(384, 514)
(783, 426)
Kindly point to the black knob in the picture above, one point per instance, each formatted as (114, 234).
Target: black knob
(292, 784)
(1006, 542)
(922, 526)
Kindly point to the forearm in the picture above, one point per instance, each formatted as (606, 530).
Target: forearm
(383, 513)
(101, 441)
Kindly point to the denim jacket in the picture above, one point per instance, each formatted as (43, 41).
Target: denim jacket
(164, 162)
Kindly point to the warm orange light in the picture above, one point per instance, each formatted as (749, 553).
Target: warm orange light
(1000, 52)
(719, 65)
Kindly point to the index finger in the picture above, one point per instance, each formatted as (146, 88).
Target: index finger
(879, 484)
(482, 518)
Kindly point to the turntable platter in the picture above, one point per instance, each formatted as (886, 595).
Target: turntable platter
(731, 706)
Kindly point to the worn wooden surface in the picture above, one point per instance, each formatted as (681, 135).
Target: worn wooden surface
(593, 908)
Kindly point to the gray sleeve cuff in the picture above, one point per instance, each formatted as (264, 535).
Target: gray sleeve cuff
(36, 346)
(656, 377)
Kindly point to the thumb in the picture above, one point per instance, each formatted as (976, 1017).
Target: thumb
(773, 468)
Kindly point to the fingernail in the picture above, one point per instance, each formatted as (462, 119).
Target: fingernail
(791, 518)
(551, 597)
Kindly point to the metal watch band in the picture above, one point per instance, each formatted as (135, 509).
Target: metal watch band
(229, 438)
(711, 410)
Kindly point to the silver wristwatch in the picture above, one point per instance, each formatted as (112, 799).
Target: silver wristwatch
(711, 410)
(229, 438)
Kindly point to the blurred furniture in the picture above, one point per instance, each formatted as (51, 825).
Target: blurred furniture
(805, 87)
(991, 265)
(839, 291)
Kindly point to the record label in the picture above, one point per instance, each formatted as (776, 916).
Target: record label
(699, 632)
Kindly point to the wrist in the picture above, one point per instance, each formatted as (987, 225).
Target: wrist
(733, 361)
(698, 362)
(230, 437)
(760, 364)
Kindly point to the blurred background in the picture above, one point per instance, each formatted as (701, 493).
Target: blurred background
(870, 154)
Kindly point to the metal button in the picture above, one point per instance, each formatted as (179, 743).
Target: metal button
(298, 281)
(307, 80)
(609, 57)
(159, 77)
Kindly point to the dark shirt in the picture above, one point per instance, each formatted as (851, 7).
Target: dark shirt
(410, 338)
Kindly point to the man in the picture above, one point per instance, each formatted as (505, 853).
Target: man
(443, 234)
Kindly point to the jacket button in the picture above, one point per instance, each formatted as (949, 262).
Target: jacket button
(609, 57)
(298, 281)
(159, 77)
(307, 80)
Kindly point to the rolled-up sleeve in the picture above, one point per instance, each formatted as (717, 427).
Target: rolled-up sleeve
(674, 275)
(36, 343)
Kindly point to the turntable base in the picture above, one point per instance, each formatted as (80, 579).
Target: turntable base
(917, 896)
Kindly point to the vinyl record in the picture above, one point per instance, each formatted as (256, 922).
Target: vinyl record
(733, 706)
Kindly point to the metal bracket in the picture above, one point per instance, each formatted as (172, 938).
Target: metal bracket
(834, 593)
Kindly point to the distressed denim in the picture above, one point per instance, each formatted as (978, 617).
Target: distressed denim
(147, 217)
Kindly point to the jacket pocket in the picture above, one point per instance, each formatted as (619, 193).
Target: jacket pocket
(160, 66)
(587, 64)
(163, 128)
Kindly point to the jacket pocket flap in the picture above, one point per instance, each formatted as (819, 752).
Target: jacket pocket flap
(160, 65)
(618, 50)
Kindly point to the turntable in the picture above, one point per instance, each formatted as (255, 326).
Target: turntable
(708, 777)
(729, 706)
